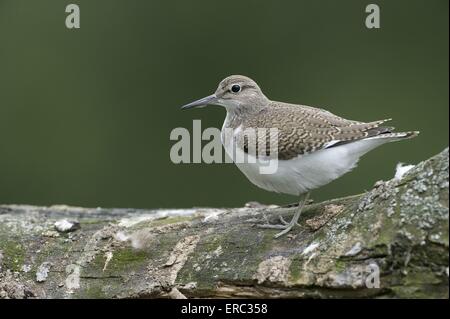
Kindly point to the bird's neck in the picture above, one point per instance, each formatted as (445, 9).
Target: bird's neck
(232, 120)
(237, 115)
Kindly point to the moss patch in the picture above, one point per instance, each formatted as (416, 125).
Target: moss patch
(126, 258)
(13, 255)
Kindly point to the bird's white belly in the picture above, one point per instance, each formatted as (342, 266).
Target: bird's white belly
(305, 172)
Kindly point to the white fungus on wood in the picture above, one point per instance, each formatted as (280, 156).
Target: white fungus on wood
(65, 226)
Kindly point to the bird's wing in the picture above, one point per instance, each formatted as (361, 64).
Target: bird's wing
(303, 130)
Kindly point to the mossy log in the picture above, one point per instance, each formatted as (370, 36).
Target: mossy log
(391, 242)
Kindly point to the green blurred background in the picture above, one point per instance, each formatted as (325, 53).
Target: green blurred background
(85, 115)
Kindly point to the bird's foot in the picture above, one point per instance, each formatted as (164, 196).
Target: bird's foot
(282, 220)
(285, 222)
(285, 226)
(282, 224)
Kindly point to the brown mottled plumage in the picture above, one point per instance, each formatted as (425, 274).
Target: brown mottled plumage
(303, 129)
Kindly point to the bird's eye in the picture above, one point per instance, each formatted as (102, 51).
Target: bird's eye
(236, 88)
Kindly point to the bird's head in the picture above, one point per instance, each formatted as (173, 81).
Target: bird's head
(234, 92)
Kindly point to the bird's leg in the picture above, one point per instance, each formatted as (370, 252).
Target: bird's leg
(294, 221)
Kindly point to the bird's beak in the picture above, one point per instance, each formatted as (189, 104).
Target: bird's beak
(210, 99)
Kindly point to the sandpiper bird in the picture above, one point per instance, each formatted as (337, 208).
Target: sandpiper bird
(315, 146)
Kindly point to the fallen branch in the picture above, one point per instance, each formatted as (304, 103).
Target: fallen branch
(389, 242)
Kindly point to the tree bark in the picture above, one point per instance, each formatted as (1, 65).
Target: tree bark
(391, 242)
